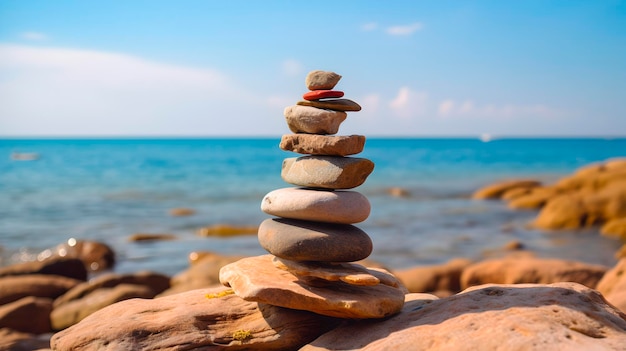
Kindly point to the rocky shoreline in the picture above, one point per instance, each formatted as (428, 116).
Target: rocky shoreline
(321, 292)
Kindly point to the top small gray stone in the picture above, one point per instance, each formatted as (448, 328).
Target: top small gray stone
(317, 80)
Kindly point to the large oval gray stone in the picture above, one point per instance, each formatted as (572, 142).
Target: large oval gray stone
(345, 207)
(299, 240)
(307, 119)
(327, 145)
(329, 172)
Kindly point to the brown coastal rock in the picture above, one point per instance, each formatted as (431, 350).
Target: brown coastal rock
(299, 240)
(613, 285)
(345, 207)
(142, 237)
(13, 288)
(205, 272)
(257, 279)
(495, 191)
(328, 172)
(307, 119)
(66, 267)
(321, 80)
(533, 197)
(329, 145)
(181, 212)
(534, 317)
(29, 314)
(443, 279)
(156, 282)
(615, 228)
(12, 340)
(350, 273)
(96, 256)
(72, 312)
(205, 319)
(332, 104)
(225, 230)
(518, 269)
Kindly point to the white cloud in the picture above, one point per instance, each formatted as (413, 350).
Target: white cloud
(406, 29)
(292, 68)
(53, 91)
(368, 27)
(409, 103)
(450, 108)
(36, 36)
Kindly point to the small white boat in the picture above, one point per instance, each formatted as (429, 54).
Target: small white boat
(485, 137)
(24, 156)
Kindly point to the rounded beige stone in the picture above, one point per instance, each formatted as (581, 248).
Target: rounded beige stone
(345, 207)
(318, 80)
(307, 119)
(327, 172)
(328, 145)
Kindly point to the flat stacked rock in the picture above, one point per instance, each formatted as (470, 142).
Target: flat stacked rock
(312, 240)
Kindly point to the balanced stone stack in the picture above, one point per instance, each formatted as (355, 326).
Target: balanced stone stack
(312, 241)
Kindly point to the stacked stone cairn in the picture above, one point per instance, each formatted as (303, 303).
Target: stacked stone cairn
(312, 242)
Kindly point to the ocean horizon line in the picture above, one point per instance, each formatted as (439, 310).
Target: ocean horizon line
(482, 137)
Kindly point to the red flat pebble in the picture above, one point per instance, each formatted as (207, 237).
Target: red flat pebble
(322, 94)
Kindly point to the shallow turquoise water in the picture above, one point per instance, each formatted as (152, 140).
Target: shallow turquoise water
(108, 189)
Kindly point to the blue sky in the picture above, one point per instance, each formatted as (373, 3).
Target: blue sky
(229, 68)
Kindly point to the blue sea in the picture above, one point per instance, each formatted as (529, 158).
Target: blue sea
(108, 189)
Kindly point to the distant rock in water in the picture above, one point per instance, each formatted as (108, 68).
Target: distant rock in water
(593, 195)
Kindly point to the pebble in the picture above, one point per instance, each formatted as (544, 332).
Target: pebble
(334, 104)
(329, 145)
(322, 94)
(300, 240)
(321, 80)
(328, 172)
(277, 287)
(345, 207)
(307, 119)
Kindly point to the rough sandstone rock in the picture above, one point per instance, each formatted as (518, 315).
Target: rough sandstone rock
(533, 317)
(96, 256)
(156, 282)
(66, 267)
(584, 208)
(205, 319)
(615, 228)
(322, 94)
(201, 274)
(613, 285)
(257, 279)
(329, 145)
(12, 340)
(72, 312)
(307, 119)
(350, 273)
(321, 80)
(181, 212)
(328, 172)
(13, 288)
(29, 314)
(516, 269)
(534, 198)
(345, 207)
(225, 230)
(440, 280)
(299, 240)
(495, 191)
(142, 237)
(334, 104)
